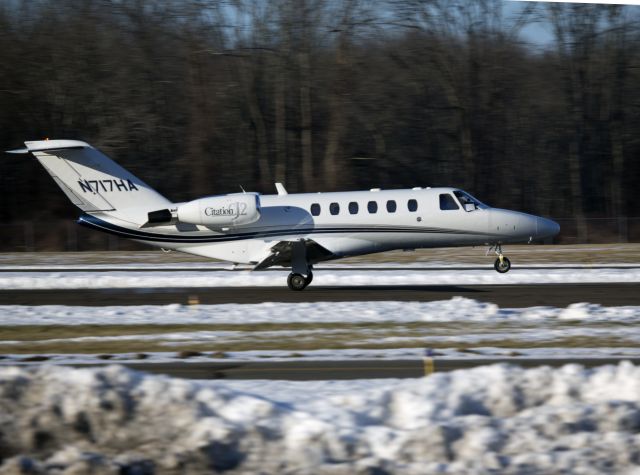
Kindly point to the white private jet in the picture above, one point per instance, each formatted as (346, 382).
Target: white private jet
(288, 230)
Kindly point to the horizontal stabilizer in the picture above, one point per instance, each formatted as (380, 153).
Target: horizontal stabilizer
(18, 151)
(161, 217)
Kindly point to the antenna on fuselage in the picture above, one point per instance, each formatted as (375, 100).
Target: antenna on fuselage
(242, 189)
(281, 189)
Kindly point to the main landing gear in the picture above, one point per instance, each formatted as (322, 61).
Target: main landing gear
(299, 281)
(301, 274)
(502, 263)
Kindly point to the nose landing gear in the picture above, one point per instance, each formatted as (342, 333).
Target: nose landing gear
(502, 263)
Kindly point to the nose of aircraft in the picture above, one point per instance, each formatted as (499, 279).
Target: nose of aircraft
(546, 228)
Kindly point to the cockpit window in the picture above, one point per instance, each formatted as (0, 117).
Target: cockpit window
(447, 202)
(468, 202)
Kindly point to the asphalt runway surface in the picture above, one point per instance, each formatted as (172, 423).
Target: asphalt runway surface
(511, 296)
(343, 369)
(319, 269)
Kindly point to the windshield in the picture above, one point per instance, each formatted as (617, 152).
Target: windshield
(468, 202)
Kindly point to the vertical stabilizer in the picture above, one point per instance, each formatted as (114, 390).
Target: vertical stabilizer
(95, 183)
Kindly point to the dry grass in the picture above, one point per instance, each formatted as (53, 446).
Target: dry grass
(523, 254)
(285, 337)
(579, 253)
(297, 345)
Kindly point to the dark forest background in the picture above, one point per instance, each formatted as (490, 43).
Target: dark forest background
(201, 97)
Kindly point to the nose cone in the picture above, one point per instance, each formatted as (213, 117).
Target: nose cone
(546, 228)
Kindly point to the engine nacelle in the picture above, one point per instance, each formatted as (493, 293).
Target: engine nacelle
(236, 209)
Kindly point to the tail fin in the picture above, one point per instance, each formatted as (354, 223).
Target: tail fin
(95, 183)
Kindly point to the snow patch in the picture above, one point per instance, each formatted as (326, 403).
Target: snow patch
(494, 418)
(456, 309)
(243, 278)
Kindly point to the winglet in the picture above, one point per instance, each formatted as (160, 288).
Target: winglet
(281, 189)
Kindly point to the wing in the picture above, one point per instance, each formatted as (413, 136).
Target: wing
(281, 252)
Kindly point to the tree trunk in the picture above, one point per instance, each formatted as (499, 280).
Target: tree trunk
(280, 123)
(305, 122)
(262, 151)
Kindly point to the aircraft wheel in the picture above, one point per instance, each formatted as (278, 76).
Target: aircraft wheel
(309, 277)
(296, 281)
(503, 266)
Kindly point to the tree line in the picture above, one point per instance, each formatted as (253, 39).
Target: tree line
(202, 97)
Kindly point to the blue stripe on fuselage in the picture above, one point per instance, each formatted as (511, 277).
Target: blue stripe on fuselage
(105, 226)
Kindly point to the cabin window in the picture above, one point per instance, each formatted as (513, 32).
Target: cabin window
(372, 206)
(391, 206)
(334, 208)
(412, 205)
(315, 209)
(447, 202)
(353, 207)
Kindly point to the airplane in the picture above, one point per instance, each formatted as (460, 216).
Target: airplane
(294, 231)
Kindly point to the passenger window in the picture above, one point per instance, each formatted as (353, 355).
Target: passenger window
(412, 205)
(353, 207)
(372, 206)
(391, 206)
(334, 208)
(315, 209)
(447, 202)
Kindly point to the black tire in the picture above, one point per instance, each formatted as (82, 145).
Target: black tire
(502, 267)
(296, 281)
(309, 277)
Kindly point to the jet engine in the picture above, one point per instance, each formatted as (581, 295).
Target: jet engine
(236, 209)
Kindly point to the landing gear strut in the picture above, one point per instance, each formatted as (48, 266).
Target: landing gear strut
(301, 274)
(502, 263)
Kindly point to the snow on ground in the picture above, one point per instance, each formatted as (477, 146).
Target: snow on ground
(455, 328)
(457, 309)
(493, 419)
(328, 277)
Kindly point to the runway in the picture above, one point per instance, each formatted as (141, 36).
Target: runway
(344, 369)
(333, 268)
(510, 296)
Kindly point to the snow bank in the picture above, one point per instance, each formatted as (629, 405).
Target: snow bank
(456, 309)
(243, 278)
(494, 419)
